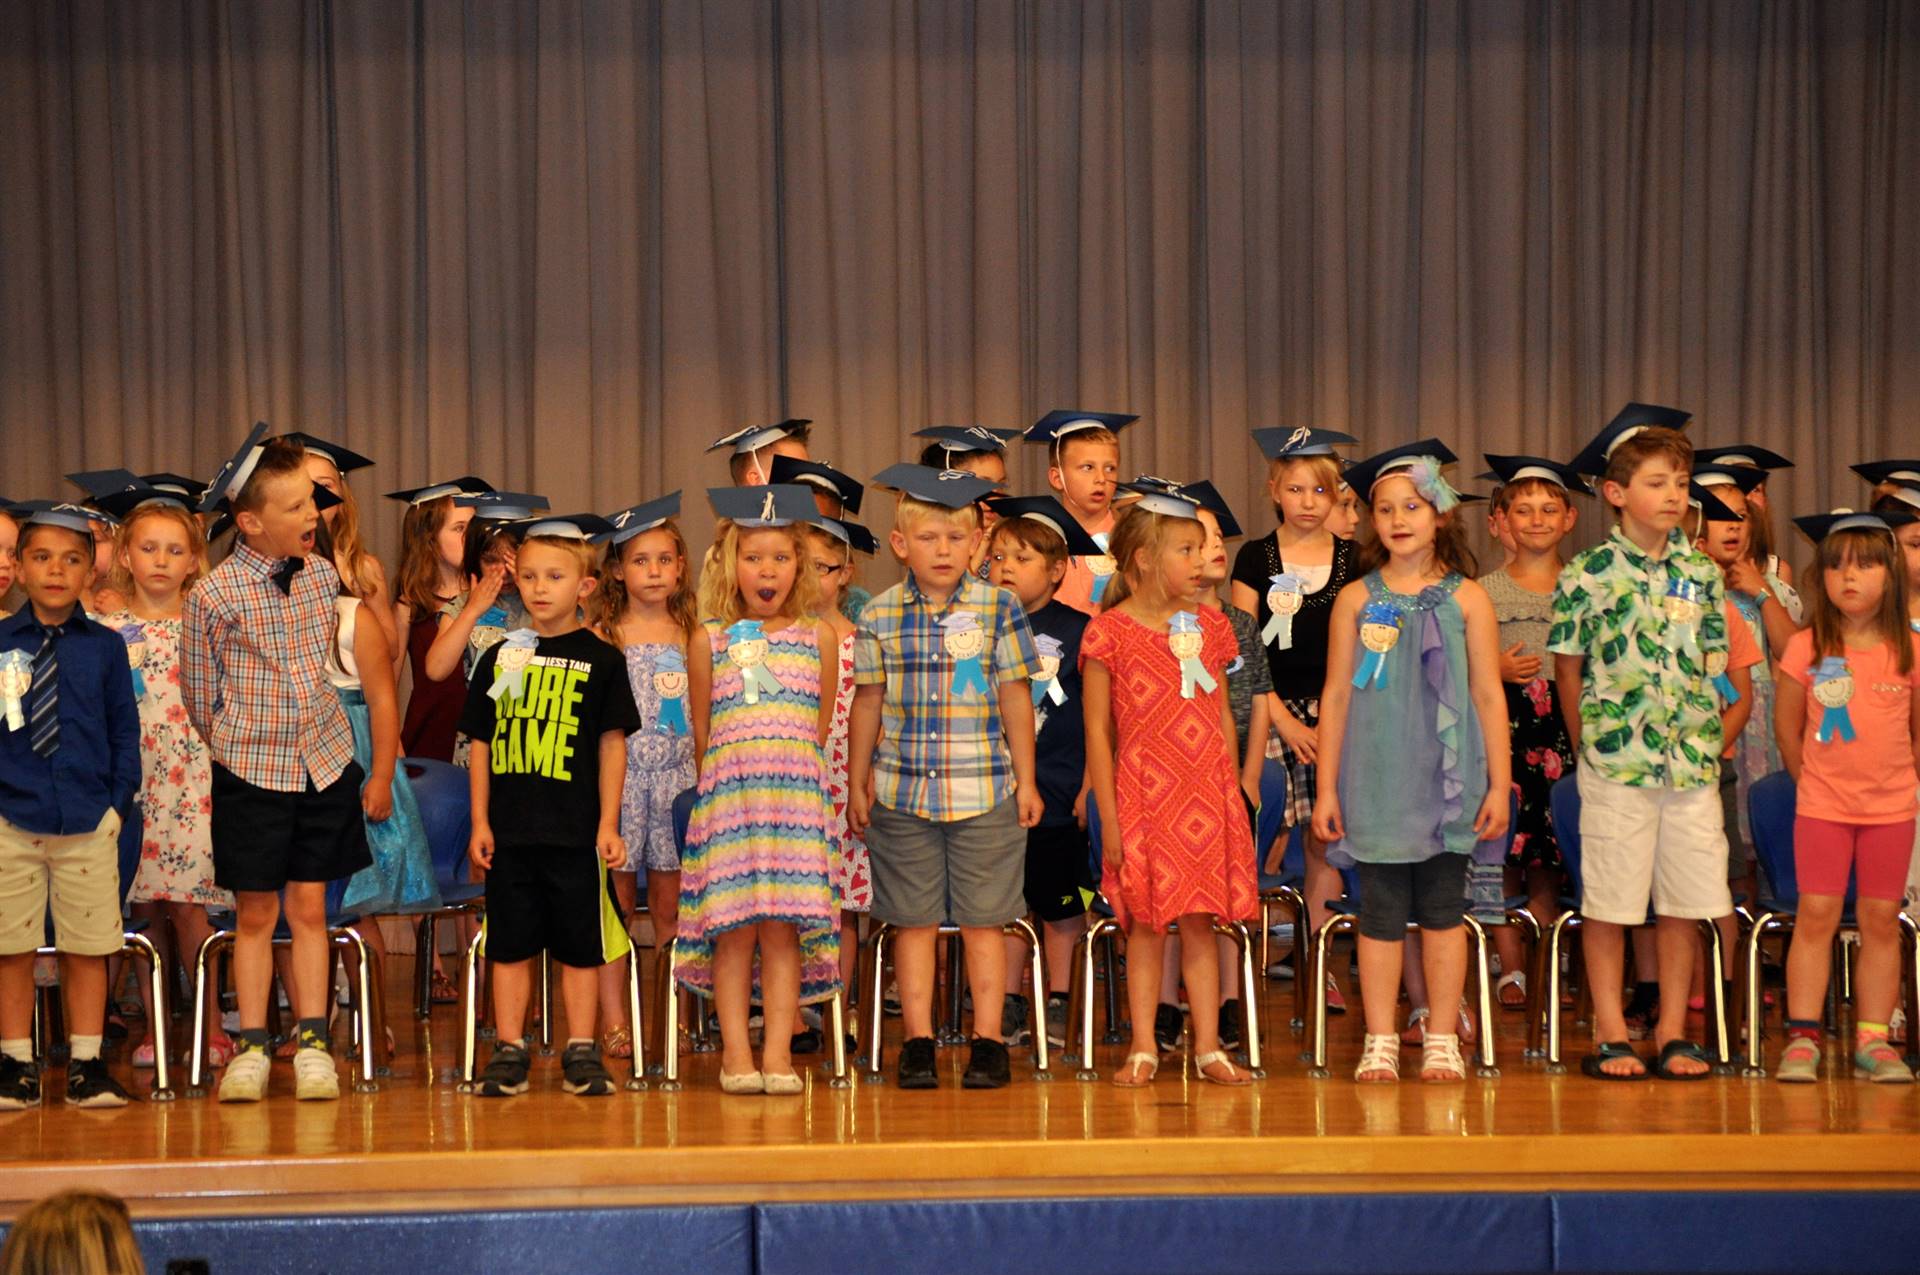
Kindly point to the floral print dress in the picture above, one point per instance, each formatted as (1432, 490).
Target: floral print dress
(1542, 750)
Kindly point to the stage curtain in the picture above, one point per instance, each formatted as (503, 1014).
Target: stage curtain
(564, 243)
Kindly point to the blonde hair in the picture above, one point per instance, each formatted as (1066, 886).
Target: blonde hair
(419, 574)
(120, 579)
(1325, 468)
(719, 578)
(1097, 434)
(348, 544)
(609, 601)
(910, 513)
(1137, 531)
(1868, 548)
(584, 555)
(73, 1233)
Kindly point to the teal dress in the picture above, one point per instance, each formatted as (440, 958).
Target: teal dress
(1413, 762)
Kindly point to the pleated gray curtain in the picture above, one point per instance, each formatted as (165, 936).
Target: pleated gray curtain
(564, 243)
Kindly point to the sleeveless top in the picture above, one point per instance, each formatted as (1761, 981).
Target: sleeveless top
(341, 669)
(1300, 671)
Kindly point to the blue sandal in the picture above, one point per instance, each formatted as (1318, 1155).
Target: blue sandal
(1606, 1051)
(1681, 1048)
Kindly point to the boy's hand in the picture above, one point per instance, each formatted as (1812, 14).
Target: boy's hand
(376, 799)
(1744, 576)
(860, 806)
(1327, 824)
(1080, 809)
(1515, 667)
(1032, 808)
(1251, 787)
(1303, 739)
(1491, 823)
(480, 847)
(612, 848)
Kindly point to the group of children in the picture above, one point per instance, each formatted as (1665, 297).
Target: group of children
(1049, 671)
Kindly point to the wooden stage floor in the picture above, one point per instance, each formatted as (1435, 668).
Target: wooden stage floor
(417, 1144)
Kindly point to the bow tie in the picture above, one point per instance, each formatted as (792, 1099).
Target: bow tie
(284, 572)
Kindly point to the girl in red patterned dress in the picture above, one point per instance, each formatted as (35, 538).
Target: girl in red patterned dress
(1160, 734)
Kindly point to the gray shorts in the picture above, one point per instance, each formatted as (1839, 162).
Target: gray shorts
(1739, 857)
(1431, 894)
(969, 871)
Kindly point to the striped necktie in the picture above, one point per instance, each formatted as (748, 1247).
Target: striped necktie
(43, 723)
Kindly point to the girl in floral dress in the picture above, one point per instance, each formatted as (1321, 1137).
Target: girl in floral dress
(831, 560)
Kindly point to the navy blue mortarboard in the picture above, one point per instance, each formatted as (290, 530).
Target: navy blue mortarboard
(501, 506)
(123, 502)
(856, 537)
(105, 482)
(1158, 499)
(234, 474)
(591, 528)
(1049, 512)
(775, 505)
(968, 438)
(344, 458)
(1278, 442)
(467, 485)
(1711, 507)
(55, 513)
(189, 490)
(632, 521)
(1362, 475)
(744, 442)
(1513, 469)
(1627, 422)
(1745, 455)
(1890, 471)
(951, 488)
(1062, 423)
(1819, 526)
(1724, 474)
(790, 469)
(1202, 493)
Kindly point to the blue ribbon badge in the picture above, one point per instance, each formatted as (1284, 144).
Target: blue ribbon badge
(16, 678)
(1185, 640)
(135, 636)
(1284, 599)
(747, 648)
(1102, 567)
(965, 643)
(1833, 687)
(1046, 679)
(1682, 608)
(510, 664)
(670, 684)
(1722, 684)
(1380, 623)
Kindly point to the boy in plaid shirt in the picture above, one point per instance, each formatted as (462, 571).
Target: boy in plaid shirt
(256, 637)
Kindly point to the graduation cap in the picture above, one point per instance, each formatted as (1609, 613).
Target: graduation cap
(1060, 424)
(774, 505)
(1627, 422)
(344, 459)
(1513, 469)
(1745, 455)
(234, 474)
(1048, 512)
(190, 490)
(121, 504)
(968, 438)
(467, 485)
(501, 506)
(1819, 526)
(1202, 493)
(105, 482)
(591, 528)
(1362, 475)
(857, 538)
(950, 488)
(1726, 474)
(1711, 507)
(643, 517)
(790, 469)
(55, 513)
(1278, 442)
(744, 442)
(1156, 499)
(1903, 493)
(1890, 471)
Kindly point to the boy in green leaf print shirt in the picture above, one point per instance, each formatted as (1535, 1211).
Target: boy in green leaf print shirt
(1638, 633)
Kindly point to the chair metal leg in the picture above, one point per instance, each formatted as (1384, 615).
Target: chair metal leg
(953, 1031)
(1751, 993)
(373, 1036)
(141, 945)
(1721, 1040)
(197, 1047)
(1483, 994)
(1910, 947)
(637, 1081)
(1110, 994)
(546, 1005)
(1079, 1046)
(882, 938)
(1556, 936)
(837, 1021)
(426, 934)
(1249, 1000)
(1322, 946)
(470, 1009)
(669, 1012)
(1037, 960)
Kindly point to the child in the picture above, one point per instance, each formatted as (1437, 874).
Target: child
(837, 496)
(9, 543)
(1414, 774)
(328, 464)
(942, 764)
(1032, 539)
(549, 711)
(475, 621)
(1852, 756)
(160, 554)
(100, 597)
(1774, 569)
(256, 637)
(1344, 522)
(758, 872)
(1535, 512)
(976, 450)
(1302, 567)
(1643, 609)
(645, 608)
(432, 538)
(750, 451)
(73, 1233)
(1891, 497)
(69, 770)
(1159, 732)
(1083, 466)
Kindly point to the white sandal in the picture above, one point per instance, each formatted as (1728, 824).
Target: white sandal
(1235, 1075)
(1379, 1053)
(1442, 1054)
(1153, 1069)
(1516, 979)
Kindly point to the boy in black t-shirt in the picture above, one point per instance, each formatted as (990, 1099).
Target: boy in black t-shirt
(548, 711)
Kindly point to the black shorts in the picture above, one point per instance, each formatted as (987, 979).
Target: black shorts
(1057, 871)
(553, 899)
(1431, 894)
(264, 839)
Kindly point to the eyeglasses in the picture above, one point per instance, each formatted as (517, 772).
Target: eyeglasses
(828, 568)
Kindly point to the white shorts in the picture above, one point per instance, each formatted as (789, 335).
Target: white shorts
(1660, 843)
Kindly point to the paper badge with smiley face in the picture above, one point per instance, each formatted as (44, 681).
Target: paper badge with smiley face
(16, 676)
(1380, 625)
(135, 636)
(670, 684)
(1284, 599)
(1186, 641)
(747, 648)
(510, 665)
(965, 643)
(1833, 688)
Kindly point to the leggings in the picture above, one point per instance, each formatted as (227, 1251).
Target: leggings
(1877, 854)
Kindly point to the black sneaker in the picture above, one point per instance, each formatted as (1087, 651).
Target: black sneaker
(1015, 1026)
(505, 1073)
(1167, 1024)
(582, 1072)
(19, 1084)
(986, 1066)
(807, 1040)
(917, 1069)
(1230, 1023)
(90, 1085)
(1057, 1020)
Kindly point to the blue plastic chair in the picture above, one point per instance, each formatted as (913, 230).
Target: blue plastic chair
(444, 795)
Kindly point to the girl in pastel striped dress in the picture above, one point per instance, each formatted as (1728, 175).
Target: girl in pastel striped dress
(758, 867)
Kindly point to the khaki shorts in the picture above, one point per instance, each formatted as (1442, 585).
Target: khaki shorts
(1661, 843)
(79, 875)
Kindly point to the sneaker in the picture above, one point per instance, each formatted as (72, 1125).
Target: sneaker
(1336, 999)
(245, 1079)
(1057, 1021)
(504, 1075)
(1014, 1024)
(143, 1056)
(1230, 1033)
(1167, 1024)
(315, 1078)
(890, 1001)
(583, 1073)
(19, 1084)
(1878, 1061)
(1799, 1062)
(90, 1085)
(807, 1040)
(987, 1066)
(917, 1069)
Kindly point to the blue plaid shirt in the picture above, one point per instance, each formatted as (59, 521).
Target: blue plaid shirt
(941, 754)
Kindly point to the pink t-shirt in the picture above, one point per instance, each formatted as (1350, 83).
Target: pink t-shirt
(1076, 587)
(1870, 779)
(1742, 652)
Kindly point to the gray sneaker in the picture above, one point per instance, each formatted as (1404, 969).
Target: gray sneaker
(1015, 1021)
(1057, 1021)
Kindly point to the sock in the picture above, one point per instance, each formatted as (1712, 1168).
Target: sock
(19, 1050)
(1804, 1028)
(1865, 1034)
(83, 1048)
(311, 1033)
(250, 1038)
